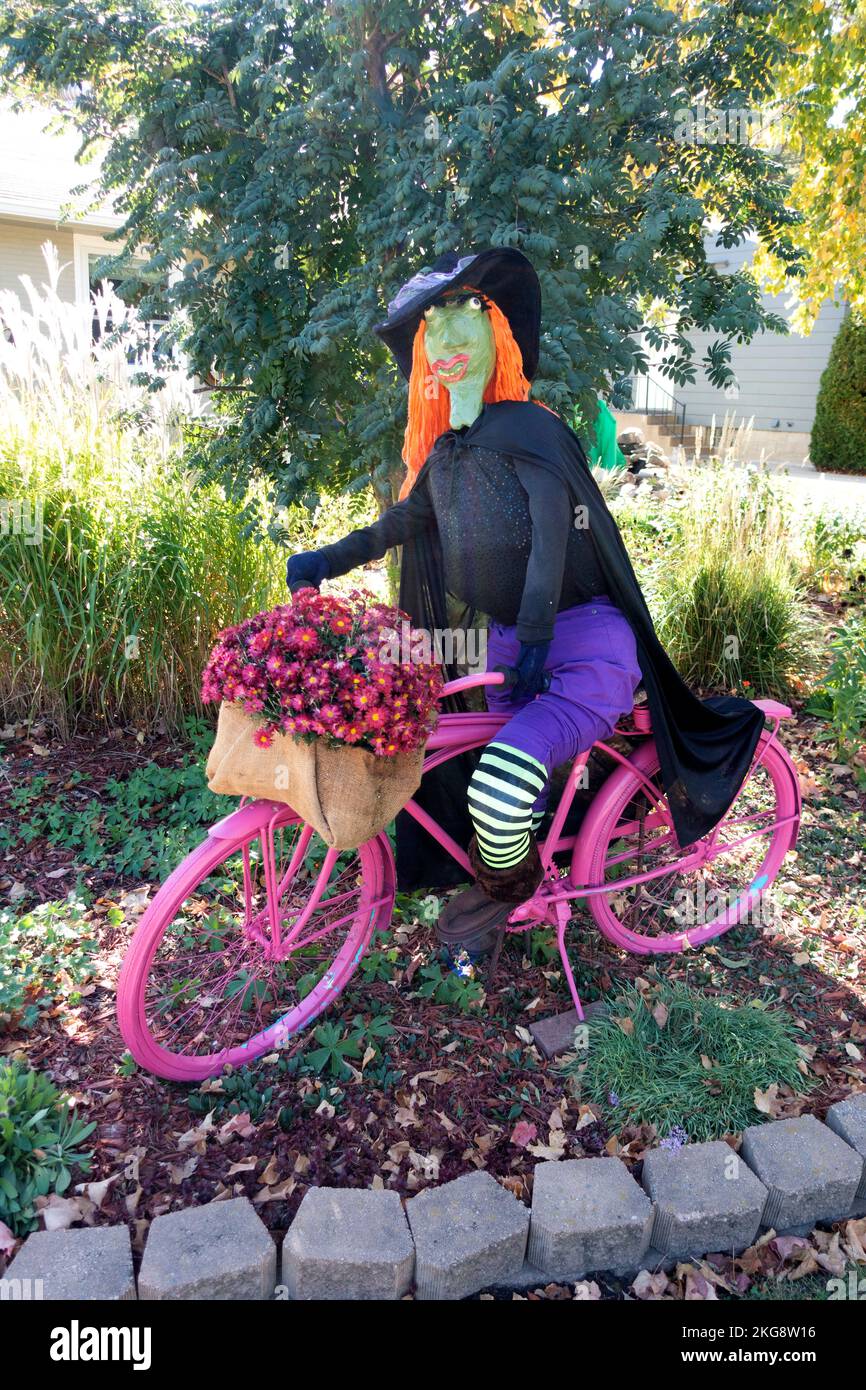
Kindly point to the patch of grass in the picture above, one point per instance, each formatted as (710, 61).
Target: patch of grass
(682, 1061)
(841, 697)
(814, 1287)
(731, 612)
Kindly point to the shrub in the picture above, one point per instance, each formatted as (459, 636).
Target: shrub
(839, 429)
(841, 697)
(697, 1073)
(40, 1142)
(46, 956)
(834, 559)
(118, 566)
(730, 602)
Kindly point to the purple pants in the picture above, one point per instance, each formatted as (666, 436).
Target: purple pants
(594, 672)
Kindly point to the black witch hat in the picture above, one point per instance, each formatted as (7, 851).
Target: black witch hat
(500, 273)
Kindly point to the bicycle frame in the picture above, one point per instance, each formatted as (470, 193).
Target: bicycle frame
(460, 733)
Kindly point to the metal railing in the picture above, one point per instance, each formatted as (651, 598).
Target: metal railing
(645, 396)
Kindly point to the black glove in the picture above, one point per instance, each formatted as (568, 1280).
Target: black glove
(307, 570)
(532, 679)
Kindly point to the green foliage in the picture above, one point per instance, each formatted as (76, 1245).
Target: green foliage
(333, 1050)
(296, 162)
(835, 558)
(817, 1287)
(838, 438)
(729, 599)
(444, 987)
(46, 956)
(235, 1093)
(113, 615)
(647, 1073)
(819, 108)
(144, 823)
(841, 697)
(40, 1139)
(378, 965)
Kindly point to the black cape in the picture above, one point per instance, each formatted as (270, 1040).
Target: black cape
(705, 747)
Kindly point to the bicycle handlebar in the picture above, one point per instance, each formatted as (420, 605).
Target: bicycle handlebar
(497, 677)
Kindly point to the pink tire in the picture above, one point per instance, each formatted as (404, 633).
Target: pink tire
(687, 897)
(248, 941)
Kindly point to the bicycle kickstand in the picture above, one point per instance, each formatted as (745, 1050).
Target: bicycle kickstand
(563, 917)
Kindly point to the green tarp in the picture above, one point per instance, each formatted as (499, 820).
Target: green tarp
(604, 453)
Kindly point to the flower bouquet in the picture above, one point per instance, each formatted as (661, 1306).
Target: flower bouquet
(316, 712)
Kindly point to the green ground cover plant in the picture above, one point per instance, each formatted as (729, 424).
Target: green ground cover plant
(46, 958)
(686, 1062)
(40, 1143)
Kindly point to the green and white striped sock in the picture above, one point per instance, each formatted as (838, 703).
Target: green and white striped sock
(505, 785)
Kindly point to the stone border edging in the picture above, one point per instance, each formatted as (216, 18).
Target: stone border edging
(588, 1215)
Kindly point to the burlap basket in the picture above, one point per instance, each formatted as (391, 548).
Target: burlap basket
(346, 794)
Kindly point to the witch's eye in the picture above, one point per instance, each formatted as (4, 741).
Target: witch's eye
(475, 302)
(428, 313)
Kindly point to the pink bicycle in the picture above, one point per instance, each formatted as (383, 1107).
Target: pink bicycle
(262, 926)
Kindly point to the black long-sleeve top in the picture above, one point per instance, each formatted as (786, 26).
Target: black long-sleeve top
(510, 547)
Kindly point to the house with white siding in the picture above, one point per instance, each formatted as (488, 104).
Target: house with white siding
(38, 173)
(777, 379)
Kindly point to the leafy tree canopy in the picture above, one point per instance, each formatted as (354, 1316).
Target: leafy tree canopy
(822, 103)
(291, 162)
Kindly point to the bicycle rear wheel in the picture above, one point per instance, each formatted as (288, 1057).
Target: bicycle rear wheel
(684, 898)
(250, 939)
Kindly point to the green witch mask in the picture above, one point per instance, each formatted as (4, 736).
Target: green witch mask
(461, 353)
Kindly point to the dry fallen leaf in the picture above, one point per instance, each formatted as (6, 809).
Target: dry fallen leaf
(650, 1286)
(179, 1172)
(587, 1291)
(767, 1101)
(523, 1133)
(196, 1138)
(58, 1213)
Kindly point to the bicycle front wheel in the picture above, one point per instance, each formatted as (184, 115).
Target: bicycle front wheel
(251, 937)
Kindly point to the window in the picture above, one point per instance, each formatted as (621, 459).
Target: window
(88, 252)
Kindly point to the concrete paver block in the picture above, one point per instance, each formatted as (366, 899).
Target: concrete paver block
(587, 1214)
(469, 1234)
(220, 1251)
(847, 1118)
(556, 1034)
(348, 1243)
(809, 1172)
(706, 1199)
(94, 1262)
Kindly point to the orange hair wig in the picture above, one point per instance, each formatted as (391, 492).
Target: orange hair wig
(429, 402)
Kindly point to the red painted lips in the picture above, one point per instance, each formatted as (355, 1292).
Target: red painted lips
(452, 369)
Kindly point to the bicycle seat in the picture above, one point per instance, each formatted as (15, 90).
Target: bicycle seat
(773, 708)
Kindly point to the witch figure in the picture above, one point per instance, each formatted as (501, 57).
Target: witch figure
(499, 509)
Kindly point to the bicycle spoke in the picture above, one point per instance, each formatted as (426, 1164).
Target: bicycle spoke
(242, 959)
(723, 865)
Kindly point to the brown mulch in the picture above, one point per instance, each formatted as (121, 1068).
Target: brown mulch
(463, 1074)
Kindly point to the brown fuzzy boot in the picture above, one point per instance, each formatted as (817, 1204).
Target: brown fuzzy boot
(473, 919)
(471, 922)
(512, 885)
